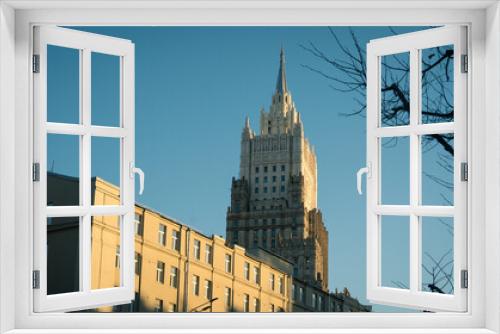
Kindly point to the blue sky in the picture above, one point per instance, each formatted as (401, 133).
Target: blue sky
(194, 87)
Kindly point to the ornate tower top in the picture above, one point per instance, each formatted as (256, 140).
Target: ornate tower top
(282, 116)
(281, 87)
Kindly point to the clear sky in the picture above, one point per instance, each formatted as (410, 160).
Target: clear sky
(194, 87)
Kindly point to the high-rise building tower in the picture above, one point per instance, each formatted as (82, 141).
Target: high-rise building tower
(274, 200)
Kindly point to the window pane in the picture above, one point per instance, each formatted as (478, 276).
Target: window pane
(437, 254)
(105, 90)
(437, 169)
(63, 85)
(395, 90)
(395, 170)
(437, 84)
(106, 252)
(63, 255)
(106, 170)
(395, 251)
(63, 170)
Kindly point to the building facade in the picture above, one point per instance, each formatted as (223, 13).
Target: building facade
(274, 200)
(177, 268)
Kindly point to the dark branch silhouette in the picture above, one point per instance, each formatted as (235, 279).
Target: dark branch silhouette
(346, 71)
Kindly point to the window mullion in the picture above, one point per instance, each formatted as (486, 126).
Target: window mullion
(414, 170)
(85, 176)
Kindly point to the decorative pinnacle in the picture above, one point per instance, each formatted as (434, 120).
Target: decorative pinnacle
(281, 82)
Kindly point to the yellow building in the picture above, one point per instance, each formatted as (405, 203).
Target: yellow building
(177, 268)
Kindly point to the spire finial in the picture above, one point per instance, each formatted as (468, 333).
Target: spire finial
(281, 82)
(247, 122)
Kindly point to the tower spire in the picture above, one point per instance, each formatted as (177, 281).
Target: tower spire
(281, 82)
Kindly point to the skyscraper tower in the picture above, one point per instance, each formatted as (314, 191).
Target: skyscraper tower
(274, 200)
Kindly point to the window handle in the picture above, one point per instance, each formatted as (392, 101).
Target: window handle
(135, 170)
(365, 170)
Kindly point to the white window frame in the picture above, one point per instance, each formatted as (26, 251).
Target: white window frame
(414, 211)
(16, 19)
(85, 44)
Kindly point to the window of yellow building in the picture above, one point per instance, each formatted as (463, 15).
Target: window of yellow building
(172, 307)
(246, 271)
(138, 224)
(160, 272)
(208, 289)
(227, 298)
(256, 275)
(117, 257)
(162, 235)
(208, 254)
(137, 263)
(256, 304)
(228, 263)
(176, 240)
(197, 246)
(158, 305)
(196, 285)
(173, 277)
(246, 301)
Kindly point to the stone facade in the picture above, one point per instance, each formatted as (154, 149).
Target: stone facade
(274, 200)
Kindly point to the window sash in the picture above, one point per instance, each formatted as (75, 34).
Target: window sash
(413, 297)
(85, 43)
